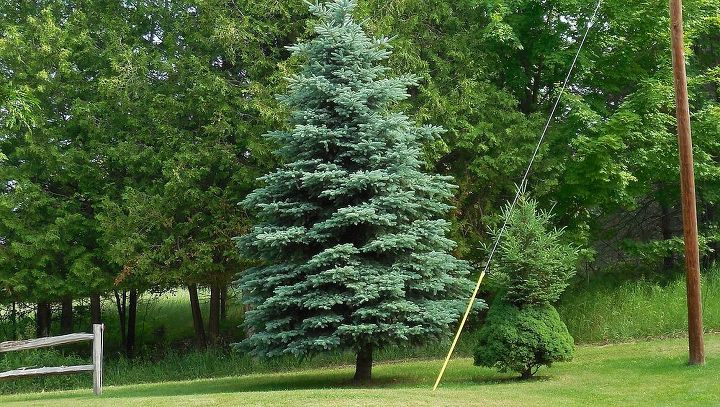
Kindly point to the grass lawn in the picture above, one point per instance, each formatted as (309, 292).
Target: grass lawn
(652, 373)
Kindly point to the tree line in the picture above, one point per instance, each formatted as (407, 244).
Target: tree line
(129, 133)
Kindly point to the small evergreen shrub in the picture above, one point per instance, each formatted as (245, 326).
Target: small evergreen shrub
(523, 339)
(523, 330)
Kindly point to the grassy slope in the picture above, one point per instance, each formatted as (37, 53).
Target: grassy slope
(644, 373)
(636, 309)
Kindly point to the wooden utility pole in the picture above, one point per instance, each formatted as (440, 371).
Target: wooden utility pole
(687, 188)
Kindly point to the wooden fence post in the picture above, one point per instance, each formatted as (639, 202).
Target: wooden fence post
(97, 354)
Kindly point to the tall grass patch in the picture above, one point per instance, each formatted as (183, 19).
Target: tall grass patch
(637, 309)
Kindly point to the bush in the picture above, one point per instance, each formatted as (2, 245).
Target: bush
(523, 339)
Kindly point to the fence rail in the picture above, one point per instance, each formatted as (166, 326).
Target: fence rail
(97, 354)
(44, 342)
(45, 371)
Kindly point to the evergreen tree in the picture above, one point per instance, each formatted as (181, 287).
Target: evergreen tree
(523, 331)
(50, 181)
(187, 96)
(351, 231)
(535, 264)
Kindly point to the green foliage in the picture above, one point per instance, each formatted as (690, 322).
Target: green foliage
(350, 230)
(523, 331)
(188, 93)
(534, 265)
(621, 173)
(523, 339)
(490, 71)
(128, 134)
(129, 131)
(48, 234)
(452, 47)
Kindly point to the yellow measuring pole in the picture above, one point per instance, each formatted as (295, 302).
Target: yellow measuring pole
(460, 328)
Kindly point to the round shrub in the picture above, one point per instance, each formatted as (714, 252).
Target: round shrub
(523, 339)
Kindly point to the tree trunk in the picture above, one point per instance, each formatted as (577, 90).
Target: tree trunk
(132, 323)
(121, 305)
(95, 309)
(248, 329)
(363, 364)
(43, 319)
(526, 374)
(223, 302)
(214, 322)
(66, 315)
(666, 231)
(197, 316)
(13, 317)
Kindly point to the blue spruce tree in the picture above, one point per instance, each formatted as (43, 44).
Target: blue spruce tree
(350, 234)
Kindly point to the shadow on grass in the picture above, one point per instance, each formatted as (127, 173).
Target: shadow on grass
(331, 379)
(241, 384)
(494, 379)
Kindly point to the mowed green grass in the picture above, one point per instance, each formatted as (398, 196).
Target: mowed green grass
(652, 373)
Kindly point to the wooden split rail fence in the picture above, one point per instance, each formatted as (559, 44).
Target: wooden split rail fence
(97, 355)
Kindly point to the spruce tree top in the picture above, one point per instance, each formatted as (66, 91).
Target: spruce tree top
(350, 231)
(535, 265)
